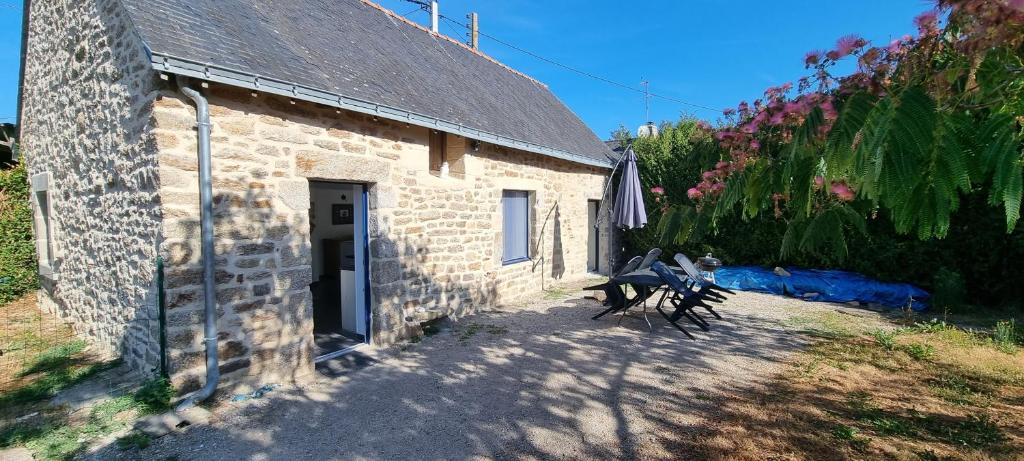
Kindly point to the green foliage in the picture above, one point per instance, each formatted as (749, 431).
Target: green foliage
(51, 437)
(17, 248)
(949, 291)
(919, 351)
(1005, 336)
(154, 396)
(976, 243)
(886, 339)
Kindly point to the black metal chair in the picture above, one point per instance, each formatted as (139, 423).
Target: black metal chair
(682, 299)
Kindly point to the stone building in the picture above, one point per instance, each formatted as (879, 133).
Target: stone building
(368, 175)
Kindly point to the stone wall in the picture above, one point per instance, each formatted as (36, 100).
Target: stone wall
(435, 243)
(86, 122)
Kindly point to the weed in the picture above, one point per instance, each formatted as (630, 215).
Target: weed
(891, 425)
(973, 432)
(919, 351)
(957, 389)
(1005, 336)
(932, 326)
(556, 294)
(154, 396)
(886, 339)
(850, 435)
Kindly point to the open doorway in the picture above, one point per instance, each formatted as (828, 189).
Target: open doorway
(337, 234)
(593, 236)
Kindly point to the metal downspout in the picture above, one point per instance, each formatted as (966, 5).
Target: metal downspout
(206, 232)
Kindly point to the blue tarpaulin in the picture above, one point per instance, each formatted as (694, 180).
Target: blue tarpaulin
(823, 285)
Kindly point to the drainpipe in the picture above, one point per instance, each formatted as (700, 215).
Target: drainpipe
(206, 233)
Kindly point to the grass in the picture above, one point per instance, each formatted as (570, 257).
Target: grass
(40, 358)
(55, 436)
(556, 293)
(927, 390)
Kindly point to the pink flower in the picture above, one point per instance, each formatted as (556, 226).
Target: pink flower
(755, 145)
(749, 128)
(1016, 5)
(694, 194)
(729, 112)
(793, 107)
(842, 191)
(812, 58)
(819, 181)
(927, 22)
(896, 46)
(658, 190)
(829, 110)
(721, 165)
(710, 175)
(703, 186)
(777, 118)
(717, 188)
(848, 44)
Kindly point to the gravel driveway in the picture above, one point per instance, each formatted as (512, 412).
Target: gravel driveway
(538, 381)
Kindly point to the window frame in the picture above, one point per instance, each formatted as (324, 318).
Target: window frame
(43, 224)
(526, 195)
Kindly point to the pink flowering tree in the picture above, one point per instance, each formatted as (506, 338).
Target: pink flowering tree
(923, 120)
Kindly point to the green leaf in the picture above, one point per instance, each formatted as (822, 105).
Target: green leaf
(852, 117)
(870, 151)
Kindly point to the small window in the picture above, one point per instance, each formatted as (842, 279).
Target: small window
(438, 149)
(515, 207)
(43, 225)
(447, 149)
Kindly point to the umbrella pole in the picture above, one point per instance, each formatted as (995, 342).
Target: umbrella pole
(605, 200)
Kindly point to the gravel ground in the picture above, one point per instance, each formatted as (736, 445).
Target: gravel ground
(537, 381)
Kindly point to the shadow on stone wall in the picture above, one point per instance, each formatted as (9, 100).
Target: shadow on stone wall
(552, 224)
(264, 305)
(262, 272)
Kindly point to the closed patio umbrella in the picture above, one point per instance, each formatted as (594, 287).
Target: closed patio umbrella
(629, 212)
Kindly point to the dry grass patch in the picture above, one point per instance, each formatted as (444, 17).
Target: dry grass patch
(929, 392)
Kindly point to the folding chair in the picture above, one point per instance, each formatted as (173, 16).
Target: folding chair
(683, 300)
(651, 257)
(697, 278)
(630, 266)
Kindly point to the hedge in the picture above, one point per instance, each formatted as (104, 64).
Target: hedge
(18, 270)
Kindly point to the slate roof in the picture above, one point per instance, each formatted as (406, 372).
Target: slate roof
(358, 50)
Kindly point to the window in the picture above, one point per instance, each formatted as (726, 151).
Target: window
(450, 149)
(515, 207)
(438, 149)
(43, 226)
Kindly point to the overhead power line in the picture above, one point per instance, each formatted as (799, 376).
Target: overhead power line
(582, 72)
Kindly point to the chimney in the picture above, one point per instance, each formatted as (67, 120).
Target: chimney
(433, 15)
(474, 31)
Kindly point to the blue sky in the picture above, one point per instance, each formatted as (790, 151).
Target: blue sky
(713, 53)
